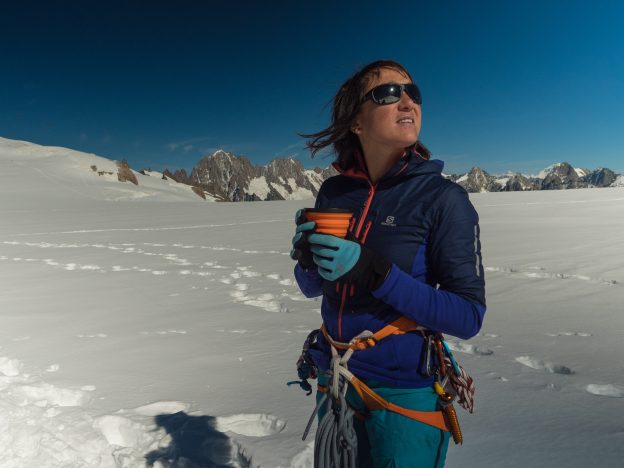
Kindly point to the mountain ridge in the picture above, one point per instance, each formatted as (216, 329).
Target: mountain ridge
(558, 176)
(284, 176)
(224, 176)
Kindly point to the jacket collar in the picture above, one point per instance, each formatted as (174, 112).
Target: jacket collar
(411, 163)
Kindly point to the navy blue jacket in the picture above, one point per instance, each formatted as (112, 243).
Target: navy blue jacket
(427, 228)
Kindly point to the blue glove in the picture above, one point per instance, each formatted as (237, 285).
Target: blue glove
(300, 246)
(333, 255)
(348, 261)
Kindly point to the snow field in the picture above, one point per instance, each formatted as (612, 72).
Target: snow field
(138, 333)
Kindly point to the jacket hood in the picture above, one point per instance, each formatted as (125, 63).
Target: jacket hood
(412, 163)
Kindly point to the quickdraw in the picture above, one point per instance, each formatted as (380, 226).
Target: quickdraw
(455, 378)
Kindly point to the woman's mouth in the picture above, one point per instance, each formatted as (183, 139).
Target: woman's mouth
(406, 120)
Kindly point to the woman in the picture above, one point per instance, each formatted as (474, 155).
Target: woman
(412, 252)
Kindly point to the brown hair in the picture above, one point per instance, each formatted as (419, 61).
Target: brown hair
(346, 106)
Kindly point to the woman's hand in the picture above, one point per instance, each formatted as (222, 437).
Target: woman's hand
(348, 261)
(300, 246)
(334, 256)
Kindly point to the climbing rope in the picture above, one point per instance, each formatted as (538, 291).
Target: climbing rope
(335, 445)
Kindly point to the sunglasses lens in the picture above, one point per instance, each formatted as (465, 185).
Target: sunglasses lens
(386, 94)
(413, 92)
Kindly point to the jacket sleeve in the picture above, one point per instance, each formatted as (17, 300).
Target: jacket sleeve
(309, 281)
(457, 305)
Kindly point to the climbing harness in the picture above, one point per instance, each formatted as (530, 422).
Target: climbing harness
(372, 400)
(336, 443)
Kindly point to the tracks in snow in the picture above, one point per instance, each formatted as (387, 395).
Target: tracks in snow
(165, 260)
(534, 363)
(537, 272)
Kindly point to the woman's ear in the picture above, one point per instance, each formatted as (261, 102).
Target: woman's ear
(356, 128)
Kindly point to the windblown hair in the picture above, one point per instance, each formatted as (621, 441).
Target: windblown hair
(346, 106)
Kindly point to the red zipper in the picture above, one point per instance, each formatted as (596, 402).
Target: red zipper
(371, 193)
(368, 226)
(351, 223)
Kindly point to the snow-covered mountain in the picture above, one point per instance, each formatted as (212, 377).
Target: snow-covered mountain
(223, 176)
(619, 181)
(72, 171)
(235, 178)
(554, 177)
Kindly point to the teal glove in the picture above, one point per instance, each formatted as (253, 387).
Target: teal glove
(333, 255)
(348, 261)
(300, 246)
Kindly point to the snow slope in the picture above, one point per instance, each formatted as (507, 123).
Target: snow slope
(56, 173)
(163, 333)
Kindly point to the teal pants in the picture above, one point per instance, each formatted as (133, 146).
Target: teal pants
(387, 439)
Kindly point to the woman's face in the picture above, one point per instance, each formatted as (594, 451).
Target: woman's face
(390, 127)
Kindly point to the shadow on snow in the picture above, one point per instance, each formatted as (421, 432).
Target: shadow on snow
(195, 443)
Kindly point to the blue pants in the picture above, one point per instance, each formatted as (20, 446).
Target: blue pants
(387, 439)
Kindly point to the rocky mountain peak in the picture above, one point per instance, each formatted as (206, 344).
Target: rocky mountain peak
(519, 183)
(282, 167)
(223, 174)
(560, 175)
(601, 177)
(221, 155)
(477, 180)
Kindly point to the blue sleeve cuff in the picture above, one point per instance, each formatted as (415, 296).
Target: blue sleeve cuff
(389, 283)
(309, 281)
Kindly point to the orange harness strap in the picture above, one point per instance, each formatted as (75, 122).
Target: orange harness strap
(400, 326)
(373, 400)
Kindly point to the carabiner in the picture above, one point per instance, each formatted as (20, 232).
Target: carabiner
(428, 368)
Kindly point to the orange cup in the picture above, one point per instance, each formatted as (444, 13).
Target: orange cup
(332, 221)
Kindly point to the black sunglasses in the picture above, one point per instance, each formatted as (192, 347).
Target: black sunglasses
(391, 93)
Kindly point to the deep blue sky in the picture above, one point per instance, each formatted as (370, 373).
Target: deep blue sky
(506, 85)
